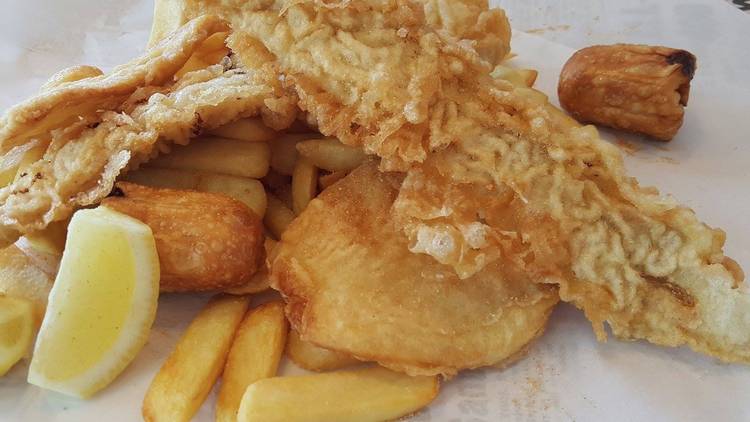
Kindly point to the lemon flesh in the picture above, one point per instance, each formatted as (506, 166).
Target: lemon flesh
(16, 330)
(101, 306)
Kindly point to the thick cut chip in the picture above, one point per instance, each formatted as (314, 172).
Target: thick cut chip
(352, 286)
(187, 376)
(255, 354)
(365, 395)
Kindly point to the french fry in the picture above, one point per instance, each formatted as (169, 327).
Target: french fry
(278, 216)
(529, 76)
(248, 191)
(215, 42)
(284, 151)
(304, 184)
(255, 354)
(218, 155)
(187, 376)
(373, 394)
(518, 77)
(313, 358)
(250, 130)
(169, 15)
(192, 64)
(50, 240)
(327, 180)
(205, 241)
(330, 154)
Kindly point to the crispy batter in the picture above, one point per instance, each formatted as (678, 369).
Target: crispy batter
(367, 73)
(20, 277)
(495, 173)
(98, 126)
(637, 88)
(352, 286)
(205, 241)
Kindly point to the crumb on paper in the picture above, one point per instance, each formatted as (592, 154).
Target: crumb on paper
(627, 147)
(553, 28)
(667, 160)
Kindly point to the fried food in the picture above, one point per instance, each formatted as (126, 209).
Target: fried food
(94, 128)
(17, 326)
(304, 184)
(255, 354)
(248, 191)
(250, 130)
(205, 241)
(260, 281)
(218, 155)
(20, 278)
(187, 376)
(518, 77)
(314, 358)
(352, 286)
(497, 174)
(331, 155)
(637, 88)
(284, 152)
(365, 395)
(278, 216)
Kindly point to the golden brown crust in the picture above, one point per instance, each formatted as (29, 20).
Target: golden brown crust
(352, 286)
(636, 88)
(205, 241)
(97, 127)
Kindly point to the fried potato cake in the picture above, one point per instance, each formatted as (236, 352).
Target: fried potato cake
(352, 286)
(205, 241)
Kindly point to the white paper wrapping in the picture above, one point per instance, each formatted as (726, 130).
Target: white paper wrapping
(567, 374)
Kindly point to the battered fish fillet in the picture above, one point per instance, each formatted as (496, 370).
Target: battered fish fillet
(352, 286)
(496, 173)
(92, 126)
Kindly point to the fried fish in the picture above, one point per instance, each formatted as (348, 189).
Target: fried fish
(88, 127)
(351, 285)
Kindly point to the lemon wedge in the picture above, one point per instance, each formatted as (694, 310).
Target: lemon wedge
(16, 330)
(101, 306)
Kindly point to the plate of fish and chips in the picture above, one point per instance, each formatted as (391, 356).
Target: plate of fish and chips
(356, 211)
